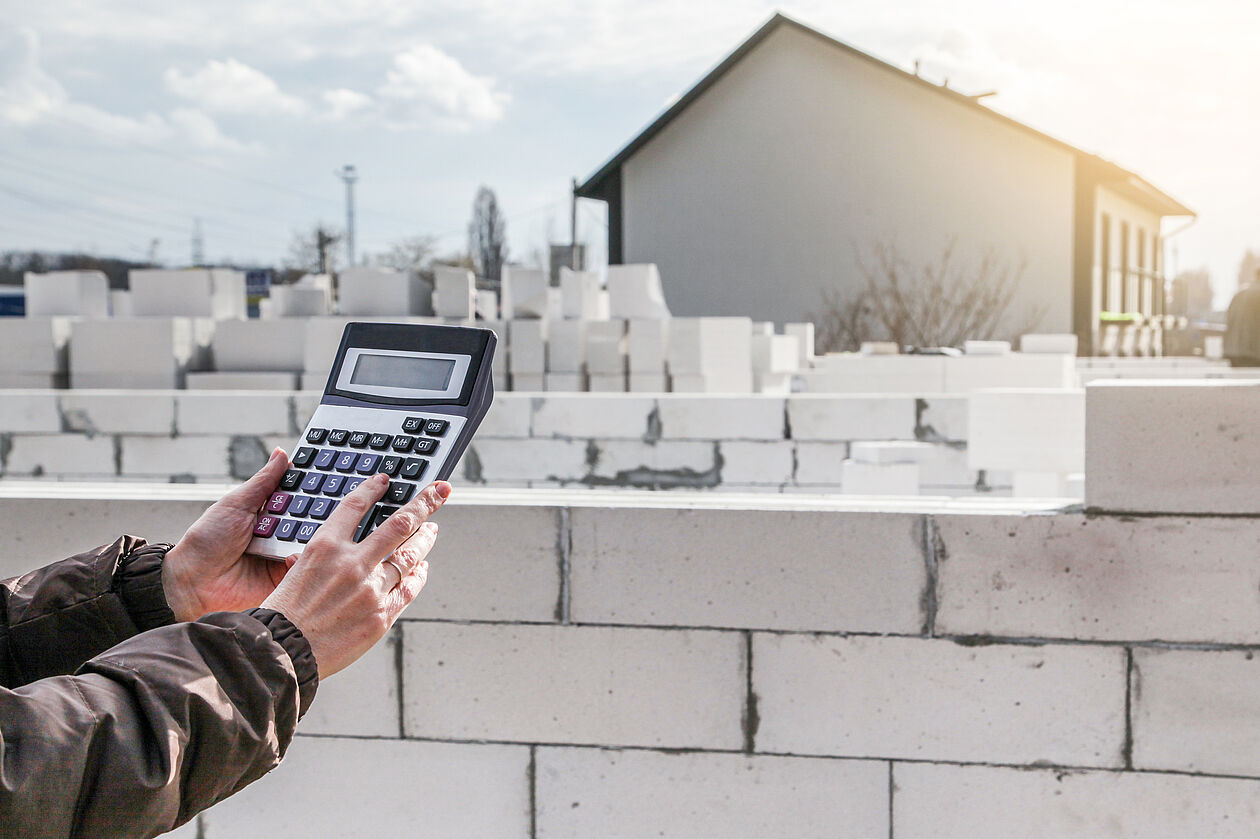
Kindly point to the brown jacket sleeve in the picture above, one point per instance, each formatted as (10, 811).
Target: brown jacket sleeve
(149, 732)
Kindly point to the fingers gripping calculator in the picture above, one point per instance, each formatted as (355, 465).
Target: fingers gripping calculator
(402, 399)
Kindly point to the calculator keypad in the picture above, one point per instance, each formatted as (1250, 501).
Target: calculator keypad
(341, 449)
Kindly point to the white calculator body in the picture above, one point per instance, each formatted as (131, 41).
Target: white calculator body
(402, 399)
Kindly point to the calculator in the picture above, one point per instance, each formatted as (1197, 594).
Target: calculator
(401, 399)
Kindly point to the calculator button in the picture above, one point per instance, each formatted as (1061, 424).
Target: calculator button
(333, 484)
(279, 502)
(324, 460)
(312, 482)
(403, 443)
(292, 479)
(337, 437)
(266, 526)
(379, 441)
(352, 484)
(306, 530)
(390, 465)
(316, 435)
(383, 512)
(366, 464)
(302, 457)
(357, 440)
(299, 505)
(345, 462)
(412, 425)
(321, 507)
(424, 445)
(287, 530)
(436, 428)
(413, 468)
(399, 492)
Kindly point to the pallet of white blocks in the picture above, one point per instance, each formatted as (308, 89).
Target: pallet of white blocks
(710, 355)
(77, 293)
(33, 351)
(217, 293)
(454, 292)
(148, 352)
(381, 292)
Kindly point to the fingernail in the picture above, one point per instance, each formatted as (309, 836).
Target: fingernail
(443, 489)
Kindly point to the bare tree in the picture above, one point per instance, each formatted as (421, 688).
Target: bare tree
(1248, 268)
(412, 253)
(312, 252)
(487, 236)
(939, 304)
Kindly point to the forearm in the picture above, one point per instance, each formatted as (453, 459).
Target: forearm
(154, 730)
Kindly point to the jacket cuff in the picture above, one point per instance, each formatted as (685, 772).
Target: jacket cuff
(286, 634)
(139, 584)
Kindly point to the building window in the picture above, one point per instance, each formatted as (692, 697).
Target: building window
(1109, 301)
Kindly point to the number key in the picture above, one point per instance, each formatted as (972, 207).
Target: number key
(337, 437)
(332, 485)
(312, 482)
(399, 492)
(357, 440)
(316, 435)
(366, 464)
(302, 457)
(306, 530)
(345, 461)
(299, 505)
(413, 468)
(287, 530)
(352, 484)
(292, 479)
(324, 460)
(379, 442)
(321, 507)
(412, 425)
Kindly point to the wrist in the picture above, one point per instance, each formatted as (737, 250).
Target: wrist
(180, 594)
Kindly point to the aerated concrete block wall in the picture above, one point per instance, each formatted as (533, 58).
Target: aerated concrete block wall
(671, 441)
(578, 670)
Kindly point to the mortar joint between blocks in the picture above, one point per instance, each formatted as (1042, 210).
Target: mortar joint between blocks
(933, 547)
(564, 554)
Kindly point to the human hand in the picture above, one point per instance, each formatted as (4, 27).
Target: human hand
(345, 596)
(208, 570)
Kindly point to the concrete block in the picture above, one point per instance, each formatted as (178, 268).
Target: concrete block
(233, 413)
(33, 381)
(605, 416)
(923, 699)
(940, 418)
(228, 301)
(828, 572)
(60, 455)
(1027, 484)
(634, 291)
(777, 384)
(499, 364)
(945, 466)
(718, 348)
(565, 382)
(379, 292)
(142, 352)
(295, 301)
(648, 383)
(750, 462)
(332, 788)
(1100, 578)
(804, 334)
(1060, 343)
(580, 294)
(1196, 711)
(974, 348)
(82, 293)
(566, 346)
(162, 457)
(879, 348)
(851, 373)
(888, 452)
(182, 293)
(857, 478)
(606, 383)
(722, 417)
(528, 347)
(524, 292)
(529, 382)
(965, 802)
(455, 292)
(120, 303)
(119, 412)
(775, 353)
(647, 346)
(122, 380)
(258, 345)
(34, 345)
(522, 460)
(509, 416)
(508, 572)
(822, 417)
(583, 793)
(660, 465)
(821, 463)
(362, 700)
(241, 381)
(606, 347)
(1037, 430)
(29, 412)
(966, 374)
(1183, 447)
(595, 685)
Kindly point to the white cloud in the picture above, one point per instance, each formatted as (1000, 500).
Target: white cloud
(343, 102)
(233, 88)
(203, 132)
(431, 86)
(26, 91)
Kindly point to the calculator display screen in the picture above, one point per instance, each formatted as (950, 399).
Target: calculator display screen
(402, 372)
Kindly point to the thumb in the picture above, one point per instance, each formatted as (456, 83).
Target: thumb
(251, 494)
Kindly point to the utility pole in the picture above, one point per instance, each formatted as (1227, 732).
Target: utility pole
(573, 225)
(198, 245)
(349, 175)
(323, 239)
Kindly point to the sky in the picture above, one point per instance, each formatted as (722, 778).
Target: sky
(122, 121)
